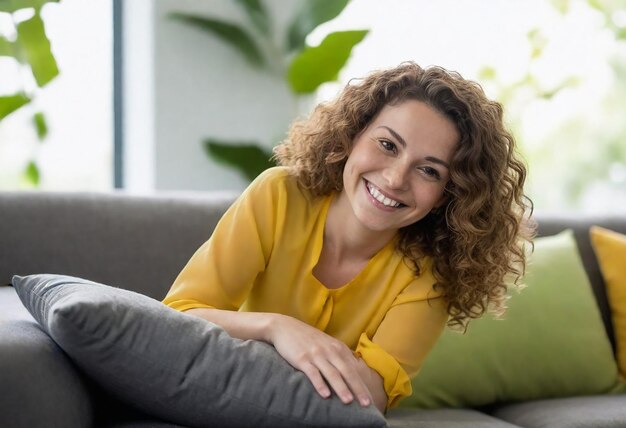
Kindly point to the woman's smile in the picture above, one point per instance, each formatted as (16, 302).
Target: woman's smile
(380, 199)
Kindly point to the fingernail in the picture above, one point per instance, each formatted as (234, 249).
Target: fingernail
(325, 393)
(347, 398)
(365, 402)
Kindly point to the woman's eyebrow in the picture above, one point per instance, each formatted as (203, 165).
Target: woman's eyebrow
(395, 135)
(437, 160)
(403, 143)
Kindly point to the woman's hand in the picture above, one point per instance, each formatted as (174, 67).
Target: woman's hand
(325, 360)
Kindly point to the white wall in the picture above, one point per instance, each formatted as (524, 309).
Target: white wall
(182, 85)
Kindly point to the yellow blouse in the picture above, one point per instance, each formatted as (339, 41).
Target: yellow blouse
(260, 258)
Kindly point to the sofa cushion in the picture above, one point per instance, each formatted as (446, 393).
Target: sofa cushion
(574, 412)
(610, 249)
(40, 386)
(551, 342)
(551, 224)
(175, 366)
(443, 418)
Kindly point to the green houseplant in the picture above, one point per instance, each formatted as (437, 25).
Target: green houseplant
(30, 48)
(303, 67)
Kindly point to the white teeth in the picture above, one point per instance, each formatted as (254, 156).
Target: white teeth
(382, 198)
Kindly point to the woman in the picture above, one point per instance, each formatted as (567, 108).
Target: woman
(398, 208)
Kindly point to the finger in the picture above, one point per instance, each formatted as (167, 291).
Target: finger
(352, 378)
(335, 379)
(316, 379)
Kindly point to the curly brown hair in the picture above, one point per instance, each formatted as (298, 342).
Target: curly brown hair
(477, 239)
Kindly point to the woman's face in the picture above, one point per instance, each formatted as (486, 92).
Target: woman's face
(398, 168)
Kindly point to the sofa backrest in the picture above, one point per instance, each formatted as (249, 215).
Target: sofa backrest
(135, 242)
(142, 242)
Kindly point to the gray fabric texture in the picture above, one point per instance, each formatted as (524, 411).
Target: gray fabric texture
(141, 423)
(177, 367)
(132, 242)
(39, 385)
(443, 418)
(575, 412)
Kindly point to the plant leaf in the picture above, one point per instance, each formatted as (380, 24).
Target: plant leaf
(232, 34)
(317, 65)
(570, 82)
(562, 6)
(31, 35)
(596, 4)
(312, 14)
(257, 14)
(6, 47)
(40, 125)
(31, 174)
(248, 158)
(487, 73)
(10, 103)
(13, 5)
(538, 42)
(11, 49)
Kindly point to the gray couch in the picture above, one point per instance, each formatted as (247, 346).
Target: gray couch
(141, 243)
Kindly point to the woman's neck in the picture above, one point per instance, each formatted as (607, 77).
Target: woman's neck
(347, 237)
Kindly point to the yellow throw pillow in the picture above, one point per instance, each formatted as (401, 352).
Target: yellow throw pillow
(610, 249)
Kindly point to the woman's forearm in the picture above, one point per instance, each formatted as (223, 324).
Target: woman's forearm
(375, 385)
(242, 325)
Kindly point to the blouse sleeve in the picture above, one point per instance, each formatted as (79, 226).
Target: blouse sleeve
(222, 271)
(406, 335)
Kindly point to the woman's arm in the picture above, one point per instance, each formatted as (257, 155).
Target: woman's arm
(326, 361)
(242, 325)
(221, 273)
(402, 342)
(375, 385)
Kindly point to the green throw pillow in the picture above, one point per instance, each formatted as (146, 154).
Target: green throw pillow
(551, 342)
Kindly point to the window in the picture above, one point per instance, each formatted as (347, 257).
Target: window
(77, 153)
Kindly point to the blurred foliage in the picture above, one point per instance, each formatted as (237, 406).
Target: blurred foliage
(585, 150)
(30, 48)
(303, 67)
(251, 159)
(320, 64)
(611, 9)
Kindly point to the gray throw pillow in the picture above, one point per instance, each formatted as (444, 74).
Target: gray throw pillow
(177, 367)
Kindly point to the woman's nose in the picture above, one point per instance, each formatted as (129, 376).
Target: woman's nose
(395, 177)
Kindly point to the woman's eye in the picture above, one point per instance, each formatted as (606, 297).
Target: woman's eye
(388, 145)
(431, 172)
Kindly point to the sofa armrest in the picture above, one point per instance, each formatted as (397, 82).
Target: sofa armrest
(40, 386)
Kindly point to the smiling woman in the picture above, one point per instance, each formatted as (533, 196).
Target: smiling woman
(397, 208)
(473, 236)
